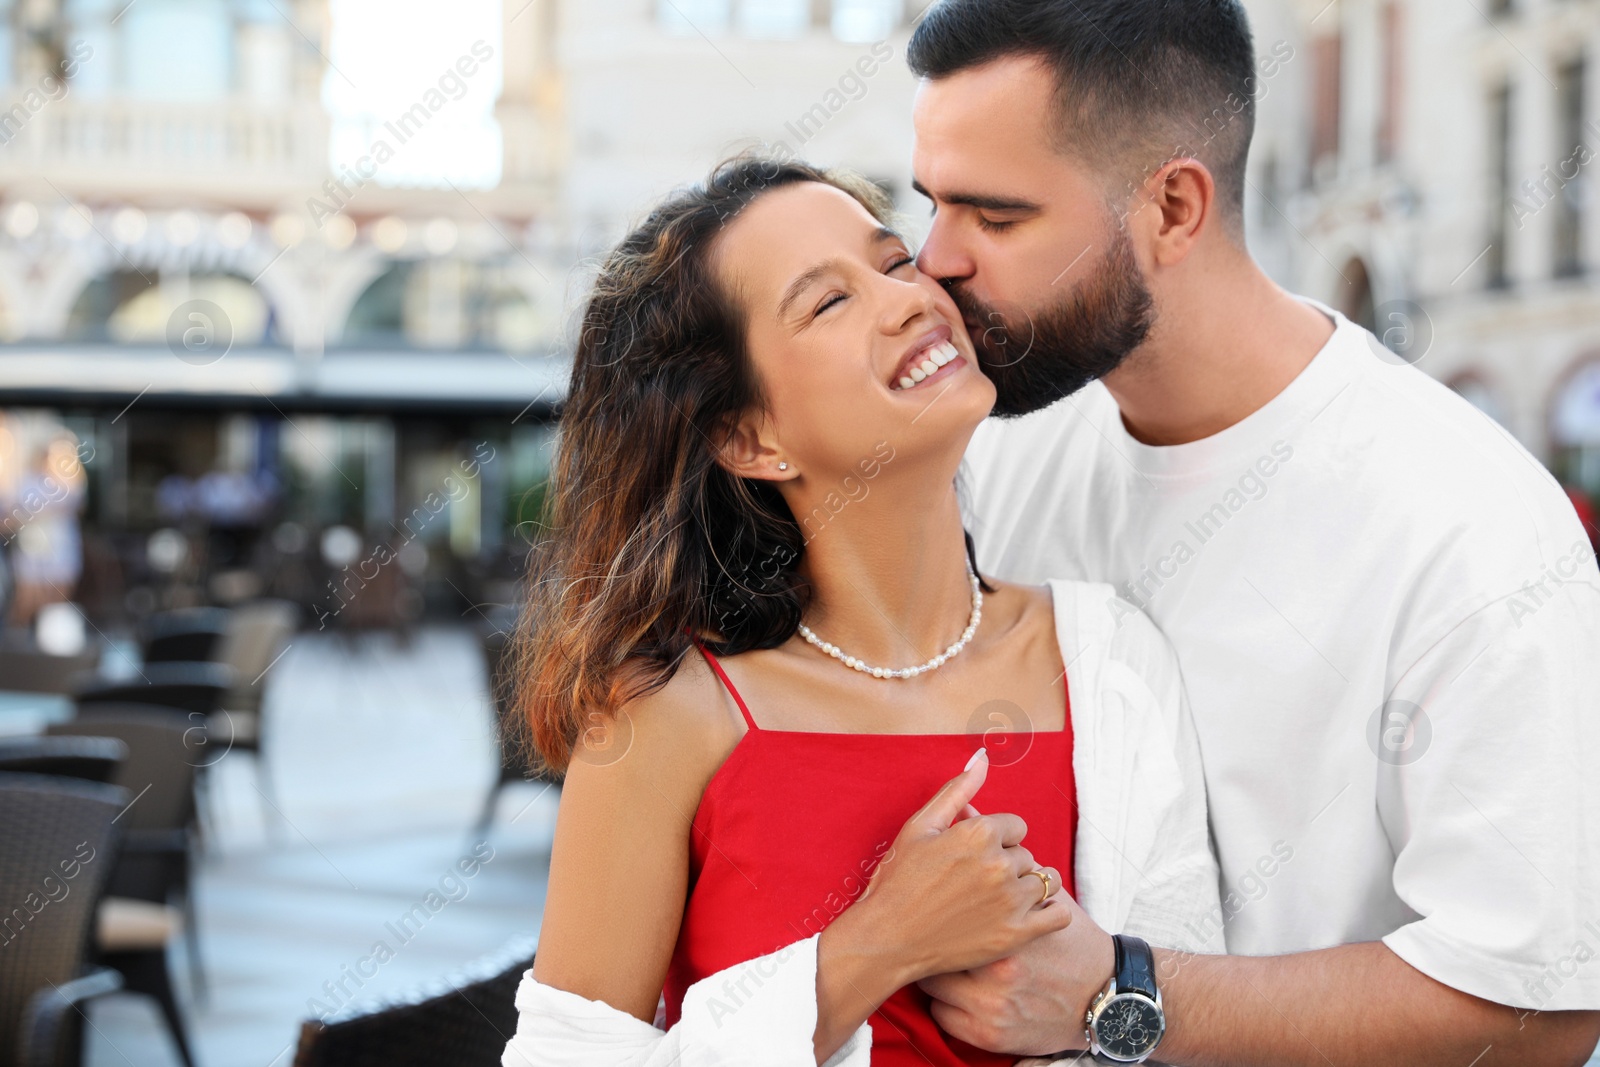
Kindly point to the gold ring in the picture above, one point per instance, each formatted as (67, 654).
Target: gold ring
(1045, 878)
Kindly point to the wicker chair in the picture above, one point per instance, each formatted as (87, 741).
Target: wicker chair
(196, 687)
(92, 759)
(57, 837)
(188, 635)
(24, 667)
(464, 1019)
(154, 866)
(258, 634)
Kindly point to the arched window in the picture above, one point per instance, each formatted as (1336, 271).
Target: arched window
(445, 303)
(127, 307)
(1575, 426)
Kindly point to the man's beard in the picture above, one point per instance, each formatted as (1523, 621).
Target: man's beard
(1035, 359)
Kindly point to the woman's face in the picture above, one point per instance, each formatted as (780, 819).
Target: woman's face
(855, 348)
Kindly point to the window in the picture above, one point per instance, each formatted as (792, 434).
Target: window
(692, 17)
(1389, 116)
(774, 18)
(1327, 56)
(1267, 194)
(1499, 184)
(1569, 172)
(178, 50)
(1575, 428)
(865, 20)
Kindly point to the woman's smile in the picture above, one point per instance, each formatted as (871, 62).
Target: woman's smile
(932, 358)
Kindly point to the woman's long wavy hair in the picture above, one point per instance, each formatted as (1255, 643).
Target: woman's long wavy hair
(646, 539)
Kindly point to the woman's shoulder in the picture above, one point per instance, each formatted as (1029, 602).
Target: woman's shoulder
(668, 742)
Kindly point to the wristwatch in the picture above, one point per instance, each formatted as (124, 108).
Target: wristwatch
(1125, 1023)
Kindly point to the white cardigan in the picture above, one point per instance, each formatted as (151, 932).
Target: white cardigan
(1142, 864)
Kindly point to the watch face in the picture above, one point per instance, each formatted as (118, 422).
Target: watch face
(1129, 1026)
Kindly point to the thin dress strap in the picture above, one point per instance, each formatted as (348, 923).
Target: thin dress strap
(737, 699)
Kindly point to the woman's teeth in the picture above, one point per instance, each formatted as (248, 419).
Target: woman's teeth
(932, 360)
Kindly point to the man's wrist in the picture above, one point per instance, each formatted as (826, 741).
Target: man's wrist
(1174, 969)
(1125, 1022)
(1079, 1002)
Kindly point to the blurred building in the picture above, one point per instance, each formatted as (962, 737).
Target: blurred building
(1427, 167)
(659, 90)
(285, 324)
(259, 330)
(280, 310)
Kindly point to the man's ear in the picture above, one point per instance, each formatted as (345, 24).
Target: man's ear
(1177, 204)
(749, 449)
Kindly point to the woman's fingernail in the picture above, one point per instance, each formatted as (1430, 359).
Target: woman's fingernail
(982, 753)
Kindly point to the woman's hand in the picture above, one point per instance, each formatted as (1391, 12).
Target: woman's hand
(954, 892)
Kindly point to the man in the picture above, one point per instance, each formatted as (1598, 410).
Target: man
(1382, 605)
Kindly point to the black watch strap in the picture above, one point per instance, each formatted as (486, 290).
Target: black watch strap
(1135, 965)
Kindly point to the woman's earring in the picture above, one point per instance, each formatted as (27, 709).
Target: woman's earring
(783, 466)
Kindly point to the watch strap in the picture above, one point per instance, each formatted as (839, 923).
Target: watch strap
(1135, 965)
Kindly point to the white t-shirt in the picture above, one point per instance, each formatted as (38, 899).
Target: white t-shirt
(1364, 546)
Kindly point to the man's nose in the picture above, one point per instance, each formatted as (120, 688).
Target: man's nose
(940, 257)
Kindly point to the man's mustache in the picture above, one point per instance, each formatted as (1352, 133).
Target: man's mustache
(999, 340)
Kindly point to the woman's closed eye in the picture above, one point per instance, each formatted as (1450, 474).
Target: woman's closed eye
(900, 261)
(828, 302)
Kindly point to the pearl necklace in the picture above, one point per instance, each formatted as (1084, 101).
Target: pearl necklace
(908, 672)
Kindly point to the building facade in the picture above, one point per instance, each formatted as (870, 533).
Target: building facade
(1427, 167)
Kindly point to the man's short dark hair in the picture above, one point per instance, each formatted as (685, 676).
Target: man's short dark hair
(1140, 82)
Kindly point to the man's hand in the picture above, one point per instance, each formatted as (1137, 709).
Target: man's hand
(1032, 1002)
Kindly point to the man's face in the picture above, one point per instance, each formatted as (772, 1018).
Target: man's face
(1029, 242)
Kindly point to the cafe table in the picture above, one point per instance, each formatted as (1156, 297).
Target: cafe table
(23, 714)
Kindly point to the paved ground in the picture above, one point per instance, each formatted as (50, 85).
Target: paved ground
(380, 758)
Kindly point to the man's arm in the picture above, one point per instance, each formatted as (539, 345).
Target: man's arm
(1358, 1004)
(1354, 1004)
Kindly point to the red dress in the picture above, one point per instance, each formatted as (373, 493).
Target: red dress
(792, 824)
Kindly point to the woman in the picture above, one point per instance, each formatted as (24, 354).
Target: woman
(759, 651)
(42, 526)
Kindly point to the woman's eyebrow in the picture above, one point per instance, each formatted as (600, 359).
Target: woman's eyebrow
(804, 282)
(812, 274)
